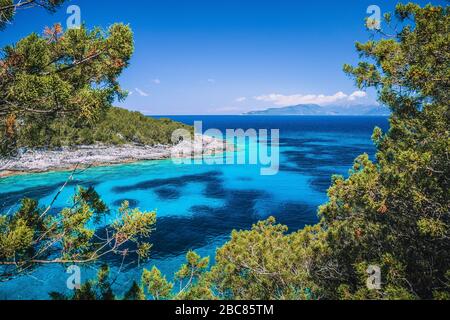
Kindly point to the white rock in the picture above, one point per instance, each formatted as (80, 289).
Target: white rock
(40, 160)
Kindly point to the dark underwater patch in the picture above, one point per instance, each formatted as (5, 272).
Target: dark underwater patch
(201, 210)
(175, 235)
(333, 156)
(10, 199)
(215, 190)
(303, 142)
(181, 181)
(312, 162)
(244, 179)
(296, 215)
(168, 193)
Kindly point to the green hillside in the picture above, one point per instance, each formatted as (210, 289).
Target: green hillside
(117, 126)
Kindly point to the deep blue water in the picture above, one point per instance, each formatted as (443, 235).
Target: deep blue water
(199, 205)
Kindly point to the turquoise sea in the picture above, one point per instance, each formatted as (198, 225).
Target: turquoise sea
(199, 205)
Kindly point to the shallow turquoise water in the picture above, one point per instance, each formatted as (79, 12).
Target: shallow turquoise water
(199, 205)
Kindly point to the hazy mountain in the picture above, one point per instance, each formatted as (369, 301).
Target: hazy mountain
(332, 110)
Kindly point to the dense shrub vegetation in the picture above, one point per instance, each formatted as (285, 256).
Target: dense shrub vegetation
(393, 213)
(33, 236)
(61, 76)
(56, 89)
(116, 126)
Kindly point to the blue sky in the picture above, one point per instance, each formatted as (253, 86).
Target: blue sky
(228, 56)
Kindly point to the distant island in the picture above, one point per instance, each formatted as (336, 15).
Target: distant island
(330, 110)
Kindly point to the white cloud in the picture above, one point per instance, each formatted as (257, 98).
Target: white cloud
(211, 80)
(156, 81)
(320, 99)
(241, 99)
(357, 94)
(141, 92)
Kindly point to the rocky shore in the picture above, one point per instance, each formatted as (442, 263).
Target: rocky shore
(67, 158)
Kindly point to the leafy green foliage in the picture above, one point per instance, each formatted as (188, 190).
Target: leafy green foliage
(156, 284)
(30, 236)
(393, 213)
(122, 126)
(153, 284)
(136, 293)
(57, 90)
(266, 263)
(117, 127)
(193, 282)
(66, 76)
(191, 278)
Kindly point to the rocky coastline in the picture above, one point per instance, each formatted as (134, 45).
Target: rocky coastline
(68, 158)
